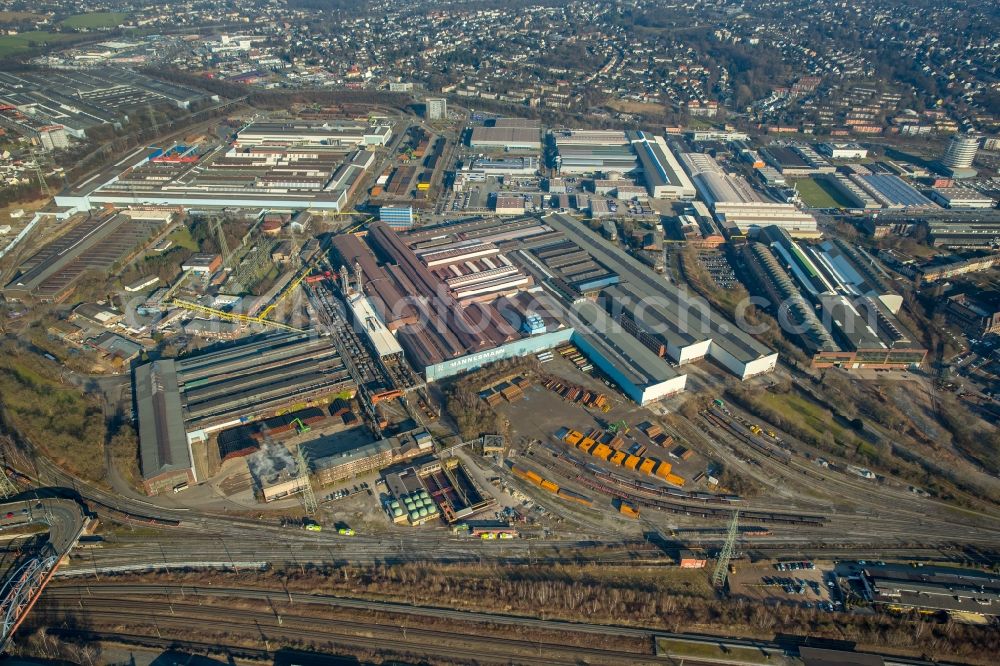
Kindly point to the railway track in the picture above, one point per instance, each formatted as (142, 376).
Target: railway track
(894, 510)
(774, 452)
(604, 482)
(288, 618)
(286, 625)
(127, 553)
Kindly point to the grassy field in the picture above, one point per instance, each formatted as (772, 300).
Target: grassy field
(95, 20)
(817, 193)
(63, 422)
(14, 17)
(798, 409)
(182, 236)
(11, 45)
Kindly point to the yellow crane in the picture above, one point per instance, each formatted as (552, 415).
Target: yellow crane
(357, 226)
(222, 314)
(289, 289)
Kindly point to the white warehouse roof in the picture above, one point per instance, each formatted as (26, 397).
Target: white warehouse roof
(381, 338)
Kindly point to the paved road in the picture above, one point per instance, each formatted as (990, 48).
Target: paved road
(64, 518)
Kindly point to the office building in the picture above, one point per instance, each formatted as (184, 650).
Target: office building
(959, 156)
(976, 313)
(481, 167)
(843, 151)
(436, 108)
(397, 217)
(330, 459)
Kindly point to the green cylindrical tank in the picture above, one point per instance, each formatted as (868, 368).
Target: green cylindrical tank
(414, 515)
(397, 512)
(422, 512)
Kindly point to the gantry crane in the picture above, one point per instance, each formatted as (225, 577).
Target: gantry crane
(222, 314)
(289, 289)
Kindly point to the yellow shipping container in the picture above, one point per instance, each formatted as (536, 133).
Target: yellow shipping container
(586, 444)
(674, 479)
(628, 510)
(573, 437)
(647, 466)
(631, 461)
(601, 451)
(664, 469)
(618, 457)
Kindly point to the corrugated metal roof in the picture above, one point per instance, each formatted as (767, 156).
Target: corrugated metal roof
(162, 439)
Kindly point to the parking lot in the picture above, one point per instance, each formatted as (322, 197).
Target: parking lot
(807, 584)
(718, 267)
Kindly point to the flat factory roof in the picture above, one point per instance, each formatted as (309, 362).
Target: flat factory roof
(382, 339)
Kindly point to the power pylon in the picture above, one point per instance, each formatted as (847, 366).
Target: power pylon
(215, 226)
(722, 565)
(308, 496)
(37, 168)
(152, 120)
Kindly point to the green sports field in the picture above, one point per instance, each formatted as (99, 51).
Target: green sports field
(11, 45)
(818, 193)
(95, 20)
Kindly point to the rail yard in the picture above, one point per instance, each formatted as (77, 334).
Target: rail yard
(363, 423)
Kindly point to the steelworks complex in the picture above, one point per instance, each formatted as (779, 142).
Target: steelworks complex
(294, 166)
(519, 134)
(181, 401)
(79, 100)
(617, 152)
(94, 243)
(835, 300)
(736, 205)
(484, 290)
